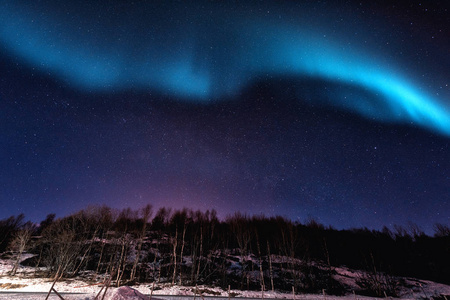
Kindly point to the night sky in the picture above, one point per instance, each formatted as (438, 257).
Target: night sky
(305, 109)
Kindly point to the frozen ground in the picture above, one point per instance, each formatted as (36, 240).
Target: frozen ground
(24, 282)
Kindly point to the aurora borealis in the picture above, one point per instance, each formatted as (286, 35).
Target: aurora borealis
(311, 108)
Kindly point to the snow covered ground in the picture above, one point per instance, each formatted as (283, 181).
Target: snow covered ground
(25, 281)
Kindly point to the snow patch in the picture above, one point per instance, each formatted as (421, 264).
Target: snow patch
(126, 293)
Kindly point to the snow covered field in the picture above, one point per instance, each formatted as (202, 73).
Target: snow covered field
(19, 287)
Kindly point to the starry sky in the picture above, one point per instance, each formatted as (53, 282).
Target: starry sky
(305, 109)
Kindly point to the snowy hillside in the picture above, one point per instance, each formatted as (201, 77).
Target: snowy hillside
(241, 256)
(27, 281)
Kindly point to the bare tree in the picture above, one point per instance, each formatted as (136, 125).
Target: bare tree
(415, 230)
(183, 243)
(196, 244)
(62, 247)
(87, 221)
(288, 242)
(179, 220)
(270, 265)
(160, 224)
(240, 227)
(261, 273)
(124, 225)
(7, 228)
(441, 230)
(174, 254)
(19, 244)
(146, 214)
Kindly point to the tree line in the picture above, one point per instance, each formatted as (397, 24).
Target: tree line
(188, 247)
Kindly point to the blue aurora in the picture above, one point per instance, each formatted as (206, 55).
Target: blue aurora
(211, 52)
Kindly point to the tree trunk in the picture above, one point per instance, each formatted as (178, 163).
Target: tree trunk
(138, 254)
(200, 254)
(16, 264)
(181, 254)
(121, 262)
(261, 273)
(20, 242)
(145, 216)
(270, 266)
(101, 256)
(175, 244)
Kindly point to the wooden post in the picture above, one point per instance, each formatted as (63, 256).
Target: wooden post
(228, 292)
(99, 292)
(106, 282)
(293, 292)
(106, 288)
(54, 281)
(60, 297)
(153, 286)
